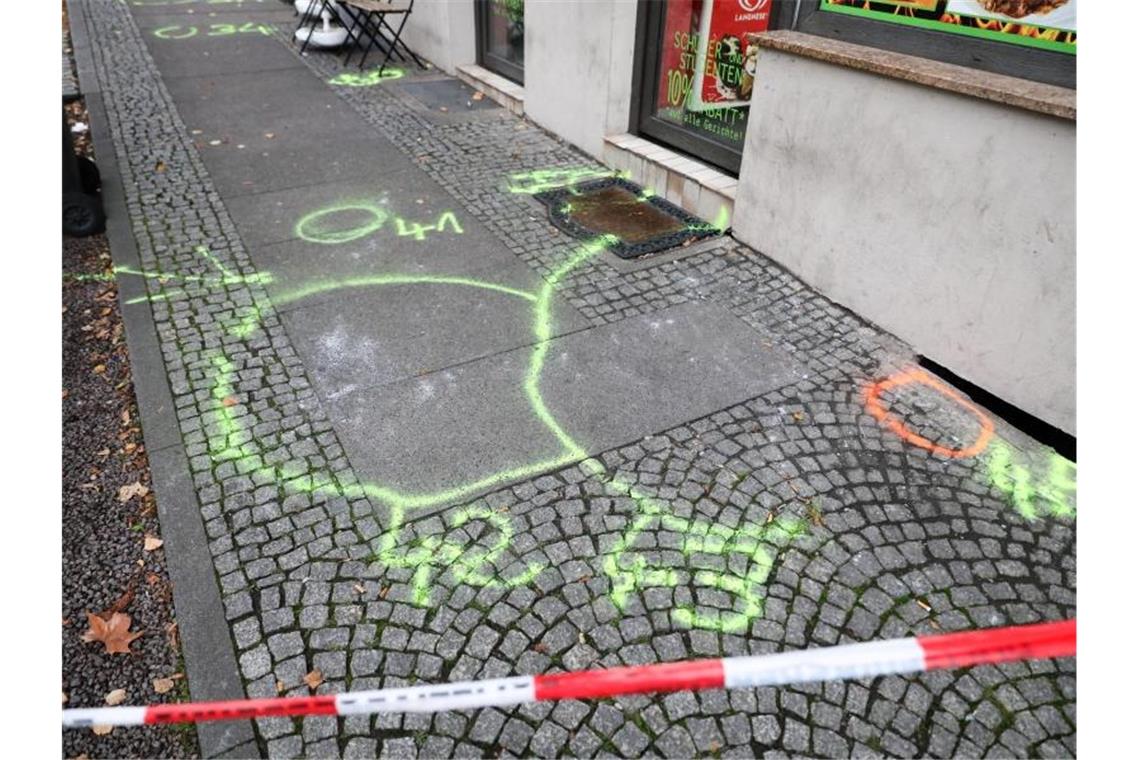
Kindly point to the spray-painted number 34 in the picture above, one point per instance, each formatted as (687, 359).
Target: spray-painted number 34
(179, 32)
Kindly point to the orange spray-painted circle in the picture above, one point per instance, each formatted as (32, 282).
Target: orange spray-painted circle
(879, 411)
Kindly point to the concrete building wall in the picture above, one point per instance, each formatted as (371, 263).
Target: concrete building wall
(579, 68)
(443, 31)
(948, 220)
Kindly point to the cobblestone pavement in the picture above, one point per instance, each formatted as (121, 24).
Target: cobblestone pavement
(70, 85)
(848, 498)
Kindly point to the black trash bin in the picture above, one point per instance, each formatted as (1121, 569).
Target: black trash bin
(82, 204)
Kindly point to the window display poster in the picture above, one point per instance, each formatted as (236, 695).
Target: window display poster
(1044, 24)
(708, 65)
(729, 51)
(679, 46)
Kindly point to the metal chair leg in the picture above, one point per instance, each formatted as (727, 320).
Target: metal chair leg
(400, 43)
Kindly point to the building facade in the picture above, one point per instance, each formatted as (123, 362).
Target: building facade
(914, 160)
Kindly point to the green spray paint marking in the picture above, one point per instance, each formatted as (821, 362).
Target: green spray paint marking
(179, 32)
(630, 572)
(418, 230)
(341, 223)
(228, 441)
(1030, 496)
(225, 277)
(541, 180)
(367, 79)
(326, 226)
(467, 565)
(430, 557)
(719, 226)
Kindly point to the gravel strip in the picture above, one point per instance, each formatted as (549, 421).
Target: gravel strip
(105, 565)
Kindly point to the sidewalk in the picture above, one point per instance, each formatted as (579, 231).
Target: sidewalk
(404, 430)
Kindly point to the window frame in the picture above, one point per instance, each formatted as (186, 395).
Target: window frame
(488, 60)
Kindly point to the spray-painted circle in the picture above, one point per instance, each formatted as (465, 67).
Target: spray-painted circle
(878, 410)
(329, 227)
(172, 32)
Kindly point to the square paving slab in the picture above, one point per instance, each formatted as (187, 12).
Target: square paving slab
(301, 270)
(605, 386)
(246, 162)
(360, 213)
(201, 47)
(281, 101)
(369, 335)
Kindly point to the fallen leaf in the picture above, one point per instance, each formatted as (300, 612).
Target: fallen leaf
(115, 633)
(314, 678)
(116, 697)
(162, 685)
(160, 166)
(150, 543)
(798, 416)
(128, 492)
(102, 730)
(541, 648)
(99, 369)
(229, 401)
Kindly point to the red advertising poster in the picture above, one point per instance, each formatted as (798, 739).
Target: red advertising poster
(728, 52)
(679, 48)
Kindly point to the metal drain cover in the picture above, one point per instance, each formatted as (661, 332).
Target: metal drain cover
(642, 222)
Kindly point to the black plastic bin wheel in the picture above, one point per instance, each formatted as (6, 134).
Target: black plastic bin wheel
(82, 204)
(82, 215)
(89, 177)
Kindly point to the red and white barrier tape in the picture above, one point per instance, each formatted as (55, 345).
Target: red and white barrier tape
(897, 656)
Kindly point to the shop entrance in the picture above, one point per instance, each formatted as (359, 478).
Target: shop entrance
(697, 67)
(499, 36)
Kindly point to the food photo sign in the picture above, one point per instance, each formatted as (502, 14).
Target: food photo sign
(1045, 24)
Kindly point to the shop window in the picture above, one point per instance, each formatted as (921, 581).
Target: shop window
(500, 37)
(697, 69)
(1031, 39)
